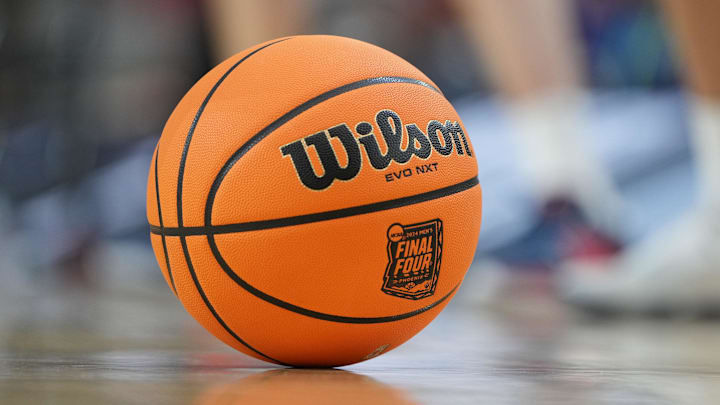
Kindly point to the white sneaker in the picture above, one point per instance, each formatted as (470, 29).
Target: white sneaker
(676, 270)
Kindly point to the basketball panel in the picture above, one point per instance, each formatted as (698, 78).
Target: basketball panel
(338, 266)
(289, 337)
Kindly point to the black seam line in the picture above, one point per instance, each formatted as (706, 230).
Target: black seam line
(191, 131)
(290, 115)
(209, 306)
(162, 237)
(316, 217)
(181, 172)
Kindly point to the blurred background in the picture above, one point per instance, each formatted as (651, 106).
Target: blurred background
(86, 87)
(596, 125)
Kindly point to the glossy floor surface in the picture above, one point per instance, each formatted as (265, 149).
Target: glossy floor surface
(140, 347)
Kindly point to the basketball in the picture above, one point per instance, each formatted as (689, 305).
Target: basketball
(313, 201)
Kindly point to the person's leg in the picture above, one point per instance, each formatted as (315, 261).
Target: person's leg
(236, 25)
(696, 34)
(535, 61)
(677, 268)
(528, 45)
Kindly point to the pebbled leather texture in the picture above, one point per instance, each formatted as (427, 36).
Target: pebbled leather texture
(333, 266)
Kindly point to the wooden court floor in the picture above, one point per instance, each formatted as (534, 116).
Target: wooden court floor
(140, 347)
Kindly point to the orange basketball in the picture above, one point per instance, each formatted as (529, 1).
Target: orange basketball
(313, 201)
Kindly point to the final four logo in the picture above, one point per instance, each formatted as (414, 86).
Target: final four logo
(414, 256)
(438, 137)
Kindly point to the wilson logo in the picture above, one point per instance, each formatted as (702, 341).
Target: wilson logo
(438, 137)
